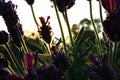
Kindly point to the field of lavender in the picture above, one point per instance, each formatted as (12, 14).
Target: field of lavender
(85, 57)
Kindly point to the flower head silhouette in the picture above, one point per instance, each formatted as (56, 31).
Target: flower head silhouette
(111, 25)
(101, 69)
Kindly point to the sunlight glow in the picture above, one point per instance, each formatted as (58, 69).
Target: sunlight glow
(43, 8)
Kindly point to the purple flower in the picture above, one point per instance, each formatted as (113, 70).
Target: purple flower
(64, 4)
(7, 11)
(60, 59)
(49, 72)
(29, 61)
(3, 63)
(31, 76)
(109, 5)
(3, 37)
(101, 69)
(41, 72)
(14, 77)
(111, 25)
(52, 73)
(45, 29)
(4, 75)
(30, 2)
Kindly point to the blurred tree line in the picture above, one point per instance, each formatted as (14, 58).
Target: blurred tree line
(86, 23)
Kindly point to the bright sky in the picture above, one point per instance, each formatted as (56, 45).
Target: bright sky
(43, 8)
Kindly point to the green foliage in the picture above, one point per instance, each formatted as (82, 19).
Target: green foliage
(41, 52)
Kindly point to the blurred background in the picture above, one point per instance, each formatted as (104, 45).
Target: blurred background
(76, 14)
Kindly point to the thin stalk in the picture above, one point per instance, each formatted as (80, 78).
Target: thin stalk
(96, 32)
(115, 54)
(22, 55)
(100, 8)
(22, 51)
(34, 17)
(21, 39)
(10, 54)
(110, 51)
(68, 26)
(11, 70)
(24, 45)
(62, 33)
(49, 49)
(46, 48)
(13, 58)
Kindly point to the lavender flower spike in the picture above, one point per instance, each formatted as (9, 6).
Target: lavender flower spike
(101, 69)
(7, 11)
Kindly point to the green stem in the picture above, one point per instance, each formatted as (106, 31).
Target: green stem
(96, 32)
(62, 33)
(10, 54)
(46, 48)
(34, 17)
(110, 51)
(21, 59)
(100, 8)
(68, 26)
(13, 58)
(21, 39)
(24, 45)
(11, 70)
(115, 54)
(49, 49)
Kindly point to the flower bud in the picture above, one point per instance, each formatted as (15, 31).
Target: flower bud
(64, 4)
(30, 2)
(29, 61)
(3, 37)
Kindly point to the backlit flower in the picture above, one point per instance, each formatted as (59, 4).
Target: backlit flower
(45, 29)
(4, 74)
(30, 2)
(60, 59)
(7, 11)
(14, 77)
(48, 72)
(111, 25)
(29, 61)
(31, 76)
(3, 37)
(64, 4)
(109, 5)
(101, 69)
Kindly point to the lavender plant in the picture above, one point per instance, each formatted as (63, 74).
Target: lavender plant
(68, 61)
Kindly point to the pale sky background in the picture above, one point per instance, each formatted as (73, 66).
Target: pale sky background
(43, 8)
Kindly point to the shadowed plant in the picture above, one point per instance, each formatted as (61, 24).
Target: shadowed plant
(49, 58)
